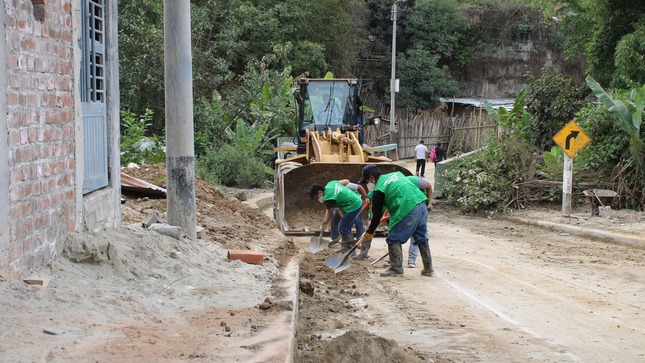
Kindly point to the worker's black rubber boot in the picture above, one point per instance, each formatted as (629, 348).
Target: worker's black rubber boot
(365, 247)
(346, 243)
(396, 260)
(334, 242)
(424, 251)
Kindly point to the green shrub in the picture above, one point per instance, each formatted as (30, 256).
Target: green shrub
(609, 143)
(553, 165)
(231, 167)
(483, 182)
(136, 146)
(552, 100)
(473, 182)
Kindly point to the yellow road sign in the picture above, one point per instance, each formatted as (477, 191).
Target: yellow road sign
(571, 139)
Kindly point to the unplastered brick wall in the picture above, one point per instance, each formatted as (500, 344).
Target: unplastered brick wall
(40, 123)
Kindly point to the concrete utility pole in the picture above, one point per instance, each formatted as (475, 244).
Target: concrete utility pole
(180, 140)
(393, 79)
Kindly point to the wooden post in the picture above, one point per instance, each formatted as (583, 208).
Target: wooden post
(567, 185)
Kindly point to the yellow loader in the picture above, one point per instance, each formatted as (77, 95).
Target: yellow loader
(326, 148)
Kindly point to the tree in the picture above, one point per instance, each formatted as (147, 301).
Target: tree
(230, 37)
(609, 33)
(435, 26)
(552, 100)
(422, 81)
(429, 43)
(630, 58)
(140, 66)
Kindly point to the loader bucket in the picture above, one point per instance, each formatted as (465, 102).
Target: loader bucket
(294, 212)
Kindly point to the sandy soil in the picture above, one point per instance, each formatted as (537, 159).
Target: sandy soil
(504, 292)
(137, 295)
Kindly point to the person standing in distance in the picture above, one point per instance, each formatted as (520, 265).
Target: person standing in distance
(406, 205)
(421, 155)
(440, 155)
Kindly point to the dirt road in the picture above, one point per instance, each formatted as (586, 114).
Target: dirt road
(503, 292)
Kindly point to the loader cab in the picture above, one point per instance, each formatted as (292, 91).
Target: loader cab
(327, 103)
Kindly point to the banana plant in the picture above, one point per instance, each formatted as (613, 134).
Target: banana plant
(254, 140)
(629, 113)
(515, 120)
(553, 161)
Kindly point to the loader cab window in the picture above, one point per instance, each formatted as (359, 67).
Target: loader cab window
(328, 104)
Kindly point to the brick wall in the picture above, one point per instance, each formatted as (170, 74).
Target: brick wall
(40, 125)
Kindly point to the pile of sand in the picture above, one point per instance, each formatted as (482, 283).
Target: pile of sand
(108, 281)
(359, 346)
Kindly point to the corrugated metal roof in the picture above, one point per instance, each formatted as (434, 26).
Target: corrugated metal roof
(478, 102)
(134, 185)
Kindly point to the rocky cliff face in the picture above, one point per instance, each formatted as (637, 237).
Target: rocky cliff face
(510, 43)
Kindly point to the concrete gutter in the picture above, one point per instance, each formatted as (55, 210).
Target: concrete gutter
(262, 201)
(616, 237)
(290, 282)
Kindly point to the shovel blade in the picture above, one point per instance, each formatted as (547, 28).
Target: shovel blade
(334, 260)
(318, 244)
(342, 267)
(340, 262)
(314, 244)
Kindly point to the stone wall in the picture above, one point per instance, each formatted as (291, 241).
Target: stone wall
(512, 42)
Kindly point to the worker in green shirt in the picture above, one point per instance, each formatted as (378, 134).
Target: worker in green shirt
(336, 195)
(408, 211)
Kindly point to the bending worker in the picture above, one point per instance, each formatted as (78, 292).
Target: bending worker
(334, 232)
(408, 216)
(336, 195)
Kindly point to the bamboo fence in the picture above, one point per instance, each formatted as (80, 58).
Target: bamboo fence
(457, 133)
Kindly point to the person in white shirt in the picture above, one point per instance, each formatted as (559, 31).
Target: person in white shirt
(421, 155)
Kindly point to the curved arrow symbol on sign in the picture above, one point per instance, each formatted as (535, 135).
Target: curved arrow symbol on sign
(572, 135)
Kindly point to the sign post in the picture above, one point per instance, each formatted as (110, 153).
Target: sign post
(571, 140)
(567, 185)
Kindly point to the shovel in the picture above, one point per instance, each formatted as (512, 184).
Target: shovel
(380, 258)
(604, 208)
(340, 262)
(317, 243)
